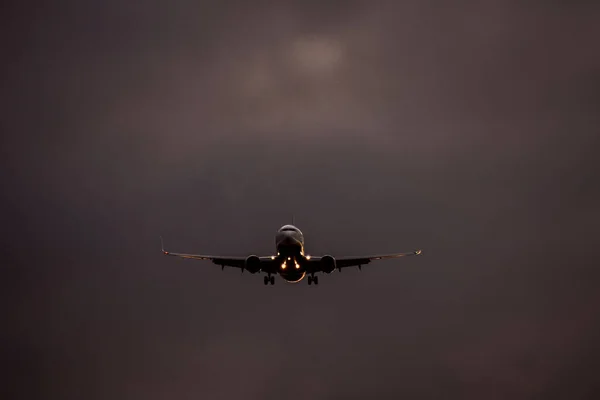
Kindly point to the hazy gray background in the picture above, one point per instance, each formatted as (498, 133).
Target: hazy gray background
(470, 131)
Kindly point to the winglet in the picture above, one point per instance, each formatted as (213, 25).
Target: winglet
(162, 246)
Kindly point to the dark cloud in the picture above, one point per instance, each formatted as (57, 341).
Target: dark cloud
(469, 131)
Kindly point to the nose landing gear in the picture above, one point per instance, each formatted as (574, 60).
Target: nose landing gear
(269, 279)
(312, 279)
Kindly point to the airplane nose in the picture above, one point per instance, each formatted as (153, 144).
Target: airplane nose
(289, 240)
(286, 239)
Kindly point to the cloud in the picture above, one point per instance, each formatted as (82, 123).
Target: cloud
(469, 131)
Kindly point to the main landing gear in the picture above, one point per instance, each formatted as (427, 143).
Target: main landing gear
(269, 279)
(312, 279)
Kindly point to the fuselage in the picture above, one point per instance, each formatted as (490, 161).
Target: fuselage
(289, 242)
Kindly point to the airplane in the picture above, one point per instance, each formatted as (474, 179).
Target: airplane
(291, 263)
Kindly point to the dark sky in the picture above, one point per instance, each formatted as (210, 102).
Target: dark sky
(468, 130)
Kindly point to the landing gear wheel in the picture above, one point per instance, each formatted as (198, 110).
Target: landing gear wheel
(310, 279)
(316, 279)
(266, 280)
(272, 279)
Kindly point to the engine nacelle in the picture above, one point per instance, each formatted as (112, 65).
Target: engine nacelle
(327, 264)
(252, 264)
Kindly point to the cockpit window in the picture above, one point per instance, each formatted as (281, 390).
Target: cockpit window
(289, 228)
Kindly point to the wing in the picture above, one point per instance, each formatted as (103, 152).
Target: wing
(343, 262)
(359, 261)
(235, 262)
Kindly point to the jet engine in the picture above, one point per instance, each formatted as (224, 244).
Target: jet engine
(252, 264)
(327, 264)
